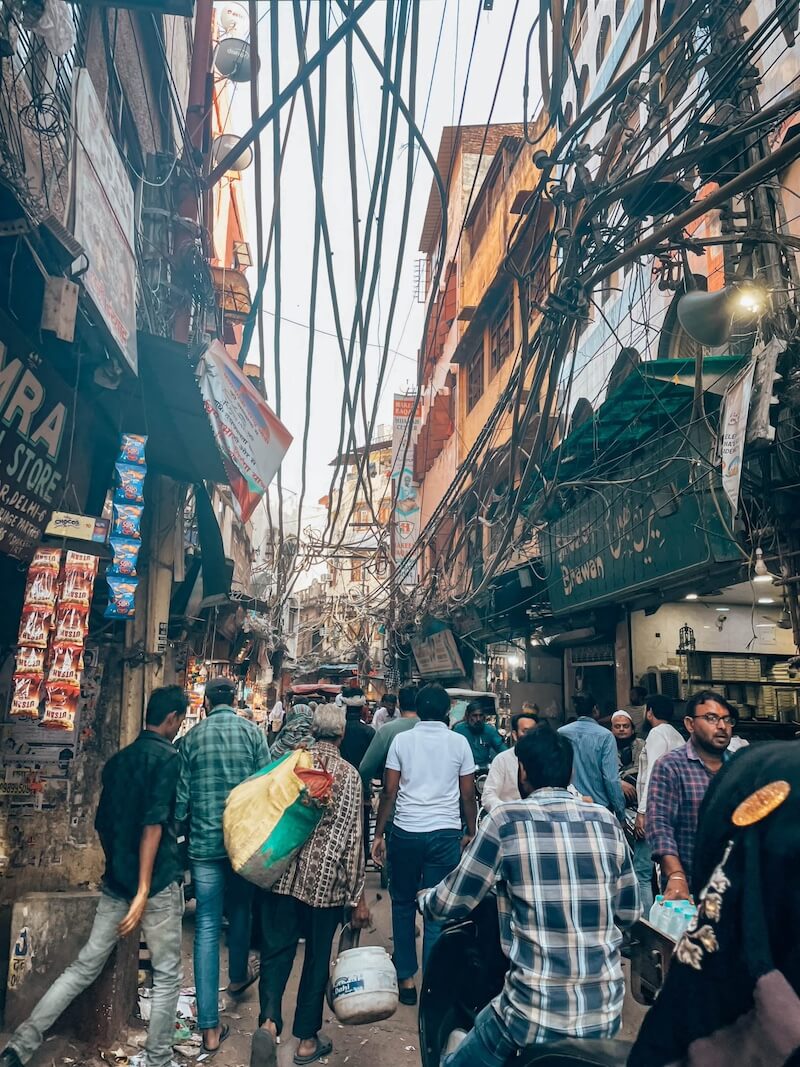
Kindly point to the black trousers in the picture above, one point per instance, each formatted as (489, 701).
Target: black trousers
(284, 920)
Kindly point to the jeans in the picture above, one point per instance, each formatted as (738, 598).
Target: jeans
(219, 890)
(161, 924)
(417, 861)
(489, 1044)
(643, 866)
(284, 920)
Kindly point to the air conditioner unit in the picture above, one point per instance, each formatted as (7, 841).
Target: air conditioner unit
(323, 630)
(666, 680)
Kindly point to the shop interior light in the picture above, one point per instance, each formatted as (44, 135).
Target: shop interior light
(760, 569)
(766, 600)
(691, 596)
(723, 609)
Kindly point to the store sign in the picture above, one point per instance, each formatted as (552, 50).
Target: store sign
(622, 541)
(78, 527)
(35, 419)
(405, 431)
(104, 220)
(437, 656)
(251, 438)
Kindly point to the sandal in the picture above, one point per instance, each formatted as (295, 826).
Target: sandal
(324, 1048)
(252, 978)
(224, 1034)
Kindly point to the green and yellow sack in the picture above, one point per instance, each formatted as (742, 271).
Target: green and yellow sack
(269, 817)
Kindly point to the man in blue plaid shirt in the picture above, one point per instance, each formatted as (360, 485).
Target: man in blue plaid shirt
(566, 889)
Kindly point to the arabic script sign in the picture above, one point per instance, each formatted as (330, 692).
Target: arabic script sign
(622, 540)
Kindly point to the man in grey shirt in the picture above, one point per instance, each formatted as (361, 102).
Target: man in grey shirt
(595, 768)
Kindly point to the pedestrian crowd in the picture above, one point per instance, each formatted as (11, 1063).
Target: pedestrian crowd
(589, 813)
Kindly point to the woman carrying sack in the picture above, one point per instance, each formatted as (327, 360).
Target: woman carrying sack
(309, 901)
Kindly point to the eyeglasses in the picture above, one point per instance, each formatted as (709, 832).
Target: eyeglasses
(714, 720)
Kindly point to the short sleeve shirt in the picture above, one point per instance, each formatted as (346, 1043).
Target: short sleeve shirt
(430, 759)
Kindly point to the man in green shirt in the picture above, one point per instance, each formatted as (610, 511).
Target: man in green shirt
(374, 762)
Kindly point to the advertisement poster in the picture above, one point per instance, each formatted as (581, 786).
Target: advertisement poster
(250, 436)
(104, 220)
(733, 427)
(405, 429)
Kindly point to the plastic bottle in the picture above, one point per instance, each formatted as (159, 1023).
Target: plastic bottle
(655, 911)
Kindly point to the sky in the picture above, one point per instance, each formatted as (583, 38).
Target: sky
(446, 81)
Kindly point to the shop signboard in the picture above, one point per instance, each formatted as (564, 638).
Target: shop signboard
(405, 431)
(437, 656)
(35, 420)
(665, 520)
(104, 220)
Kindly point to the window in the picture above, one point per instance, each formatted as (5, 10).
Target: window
(356, 571)
(583, 86)
(619, 11)
(580, 18)
(502, 335)
(603, 41)
(609, 287)
(475, 377)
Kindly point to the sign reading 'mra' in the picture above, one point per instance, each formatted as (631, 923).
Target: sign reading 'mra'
(33, 424)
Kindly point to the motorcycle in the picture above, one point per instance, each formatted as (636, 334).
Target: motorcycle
(465, 971)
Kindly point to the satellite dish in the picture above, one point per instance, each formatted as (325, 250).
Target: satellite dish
(233, 18)
(223, 144)
(232, 59)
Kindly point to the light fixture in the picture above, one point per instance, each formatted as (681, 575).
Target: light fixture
(760, 570)
(709, 318)
(690, 596)
(766, 600)
(723, 609)
(225, 143)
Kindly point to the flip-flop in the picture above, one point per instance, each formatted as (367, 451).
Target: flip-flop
(324, 1048)
(251, 980)
(224, 1034)
(264, 1049)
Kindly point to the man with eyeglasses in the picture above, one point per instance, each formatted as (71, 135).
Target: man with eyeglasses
(678, 784)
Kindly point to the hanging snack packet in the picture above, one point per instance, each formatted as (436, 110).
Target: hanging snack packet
(71, 625)
(30, 663)
(61, 705)
(34, 628)
(130, 489)
(66, 666)
(80, 570)
(126, 553)
(128, 520)
(121, 598)
(132, 448)
(42, 584)
(26, 699)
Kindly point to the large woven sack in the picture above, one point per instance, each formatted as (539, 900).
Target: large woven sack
(270, 816)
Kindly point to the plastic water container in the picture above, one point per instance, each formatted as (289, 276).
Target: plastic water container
(363, 984)
(655, 911)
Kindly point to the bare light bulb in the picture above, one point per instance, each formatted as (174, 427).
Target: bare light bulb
(760, 571)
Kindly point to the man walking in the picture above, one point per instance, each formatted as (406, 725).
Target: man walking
(387, 712)
(358, 735)
(374, 762)
(429, 778)
(218, 754)
(595, 771)
(661, 737)
(502, 781)
(141, 886)
(677, 785)
(566, 891)
(483, 738)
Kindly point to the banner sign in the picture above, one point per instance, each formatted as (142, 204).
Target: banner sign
(623, 541)
(406, 502)
(104, 220)
(437, 656)
(34, 449)
(733, 427)
(251, 438)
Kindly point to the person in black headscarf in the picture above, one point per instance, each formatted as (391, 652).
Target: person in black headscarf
(732, 994)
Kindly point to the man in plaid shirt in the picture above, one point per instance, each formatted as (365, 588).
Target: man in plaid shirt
(218, 754)
(566, 889)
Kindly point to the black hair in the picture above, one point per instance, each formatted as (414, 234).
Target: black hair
(433, 703)
(546, 757)
(661, 706)
(349, 691)
(477, 705)
(522, 715)
(640, 692)
(163, 701)
(704, 697)
(220, 696)
(407, 698)
(391, 697)
(584, 704)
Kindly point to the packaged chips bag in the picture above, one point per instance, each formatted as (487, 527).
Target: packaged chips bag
(26, 699)
(80, 570)
(72, 622)
(30, 662)
(121, 597)
(130, 487)
(128, 520)
(61, 705)
(126, 553)
(66, 665)
(132, 448)
(42, 585)
(35, 625)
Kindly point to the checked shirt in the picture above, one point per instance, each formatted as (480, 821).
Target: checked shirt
(565, 889)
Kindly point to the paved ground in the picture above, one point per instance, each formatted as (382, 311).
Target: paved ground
(393, 1043)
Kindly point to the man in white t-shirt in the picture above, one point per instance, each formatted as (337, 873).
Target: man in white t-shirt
(661, 737)
(387, 711)
(277, 716)
(502, 781)
(429, 778)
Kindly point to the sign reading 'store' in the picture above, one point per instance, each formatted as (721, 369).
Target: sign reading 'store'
(34, 426)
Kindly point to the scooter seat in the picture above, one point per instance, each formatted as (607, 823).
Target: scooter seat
(575, 1052)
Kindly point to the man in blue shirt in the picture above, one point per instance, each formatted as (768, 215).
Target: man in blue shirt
(483, 738)
(595, 769)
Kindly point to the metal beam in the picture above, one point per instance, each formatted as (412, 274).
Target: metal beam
(349, 24)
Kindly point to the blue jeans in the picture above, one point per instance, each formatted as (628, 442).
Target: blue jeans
(218, 890)
(643, 866)
(417, 861)
(161, 924)
(489, 1044)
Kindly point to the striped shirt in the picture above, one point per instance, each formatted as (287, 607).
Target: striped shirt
(565, 890)
(218, 754)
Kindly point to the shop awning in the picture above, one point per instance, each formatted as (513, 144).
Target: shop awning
(166, 404)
